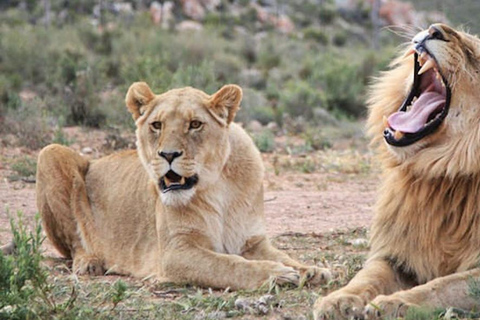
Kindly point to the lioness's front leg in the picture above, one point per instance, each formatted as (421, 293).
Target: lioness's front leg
(377, 277)
(260, 248)
(189, 259)
(448, 291)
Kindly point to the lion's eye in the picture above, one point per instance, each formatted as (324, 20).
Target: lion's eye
(157, 125)
(195, 124)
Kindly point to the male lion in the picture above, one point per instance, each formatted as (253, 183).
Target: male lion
(187, 206)
(425, 238)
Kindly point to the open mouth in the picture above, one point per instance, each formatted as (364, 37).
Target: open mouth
(172, 181)
(425, 107)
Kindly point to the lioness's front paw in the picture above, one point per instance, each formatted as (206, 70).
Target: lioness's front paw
(383, 307)
(315, 275)
(338, 305)
(88, 264)
(283, 274)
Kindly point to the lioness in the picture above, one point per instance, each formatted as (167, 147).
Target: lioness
(425, 238)
(186, 206)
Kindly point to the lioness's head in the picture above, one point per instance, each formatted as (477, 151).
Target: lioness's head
(427, 108)
(182, 136)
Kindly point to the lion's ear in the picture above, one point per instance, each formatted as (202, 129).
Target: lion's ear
(226, 102)
(139, 95)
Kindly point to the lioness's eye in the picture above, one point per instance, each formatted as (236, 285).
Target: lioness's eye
(195, 124)
(157, 125)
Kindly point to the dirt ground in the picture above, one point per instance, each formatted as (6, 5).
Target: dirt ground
(309, 193)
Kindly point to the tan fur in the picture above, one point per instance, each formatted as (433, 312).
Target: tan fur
(426, 232)
(110, 214)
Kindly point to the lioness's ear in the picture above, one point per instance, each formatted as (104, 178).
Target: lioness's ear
(138, 96)
(226, 102)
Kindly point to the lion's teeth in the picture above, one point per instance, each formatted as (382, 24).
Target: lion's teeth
(398, 135)
(182, 181)
(385, 122)
(409, 52)
(427, 66)
(167, 182)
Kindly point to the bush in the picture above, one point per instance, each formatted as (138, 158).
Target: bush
(29, 124)
(254, 107)
(265, 141)
(25, 166)
(23, 280)
(316, 34)
(299, 98)
(327, 13)
(344, 89)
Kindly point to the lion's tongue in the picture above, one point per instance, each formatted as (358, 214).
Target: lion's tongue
(413, 120)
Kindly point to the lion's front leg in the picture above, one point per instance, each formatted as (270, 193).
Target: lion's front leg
(377, 277)
(449, 291)
(189, 261)
(260, 248)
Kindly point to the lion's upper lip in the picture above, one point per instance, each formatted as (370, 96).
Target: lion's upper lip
(173, 181)
(425, 107)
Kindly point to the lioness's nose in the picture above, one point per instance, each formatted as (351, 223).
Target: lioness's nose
(170, 156)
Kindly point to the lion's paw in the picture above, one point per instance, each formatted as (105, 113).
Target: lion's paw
(88, 264)
(392, 306)
(283, 275)
(280, 273)
(315, 275)
(339, 305)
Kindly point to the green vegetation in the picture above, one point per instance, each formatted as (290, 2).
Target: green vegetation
(75, 73)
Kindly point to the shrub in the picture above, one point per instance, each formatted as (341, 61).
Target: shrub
(29, 124)
(327, 13)
(265, 141)
(299, 98)
(254, 107)
(23, 280)
(316, 34)
(25, 166)
(340, 39)
(344, 89)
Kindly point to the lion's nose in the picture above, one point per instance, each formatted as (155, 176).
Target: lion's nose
(170, 156)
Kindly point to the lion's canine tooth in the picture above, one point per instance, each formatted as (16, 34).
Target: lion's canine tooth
(409, 52)
(385, 122)
(427, 66)
(167, 182)
(182, 181)
(398, 135)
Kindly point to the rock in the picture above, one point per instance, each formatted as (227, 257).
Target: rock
(162, 15)
(193, 9)
(189, 25)
(284, 24)
(254, 126)
(273, 127)
(322, 116)
(168, 19)
(260, 306)
(397, 13)
(156, 12)
(210, 5)
(281, 22)
(359, 243)
(87, 150)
